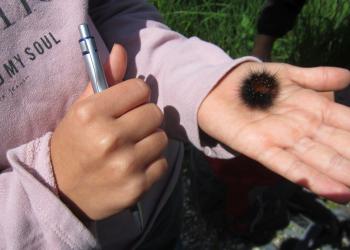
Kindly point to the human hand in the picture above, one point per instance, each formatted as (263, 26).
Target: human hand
(304, 136)
(107, 150)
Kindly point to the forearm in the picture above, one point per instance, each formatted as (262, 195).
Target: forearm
(180, 71)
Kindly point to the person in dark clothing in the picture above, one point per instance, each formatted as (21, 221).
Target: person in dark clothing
(277, 18)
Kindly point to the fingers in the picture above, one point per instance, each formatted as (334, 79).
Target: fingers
(323, 158)
(334, 138)
(337, 115)
(136, 158)
(142, 163)
(117, 100)
(294, 169)
(151, 148)
(141, 182)
(140, 122)
(320, 78)
(155, 171)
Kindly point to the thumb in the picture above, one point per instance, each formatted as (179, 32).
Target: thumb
(320, 78)
(115, 69)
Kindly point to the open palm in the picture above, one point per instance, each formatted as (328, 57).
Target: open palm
(304, 136)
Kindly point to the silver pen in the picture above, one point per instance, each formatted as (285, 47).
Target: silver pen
(92, 60)
(99, 83)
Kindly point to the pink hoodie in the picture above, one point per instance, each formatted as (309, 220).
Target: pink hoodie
(42, 73)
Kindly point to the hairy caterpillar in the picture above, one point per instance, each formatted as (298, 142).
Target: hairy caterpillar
(259, 90)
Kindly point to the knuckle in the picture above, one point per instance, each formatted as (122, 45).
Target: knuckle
(118, 137)
(105, 142)
(126, 163)
(83, 112)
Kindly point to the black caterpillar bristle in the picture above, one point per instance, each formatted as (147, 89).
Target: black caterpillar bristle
(259, 90)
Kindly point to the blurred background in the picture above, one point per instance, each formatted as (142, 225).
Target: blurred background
(277, 216)
(321, 35)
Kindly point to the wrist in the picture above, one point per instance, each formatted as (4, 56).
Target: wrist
(61, 194)
(226, 89)
(75, 210)
(227, 86)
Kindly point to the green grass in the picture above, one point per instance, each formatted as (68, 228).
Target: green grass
(320, 37)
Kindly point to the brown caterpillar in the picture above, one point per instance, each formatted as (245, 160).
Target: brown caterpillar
(259, 90)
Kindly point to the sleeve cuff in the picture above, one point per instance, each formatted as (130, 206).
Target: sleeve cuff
(207, 145)
(38, 161)
(31, 162)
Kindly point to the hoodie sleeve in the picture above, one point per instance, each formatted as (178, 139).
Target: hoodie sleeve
(180, 71)
(32, 216)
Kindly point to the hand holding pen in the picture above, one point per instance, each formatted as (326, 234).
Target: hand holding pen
(102, 158)
(99, 83)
